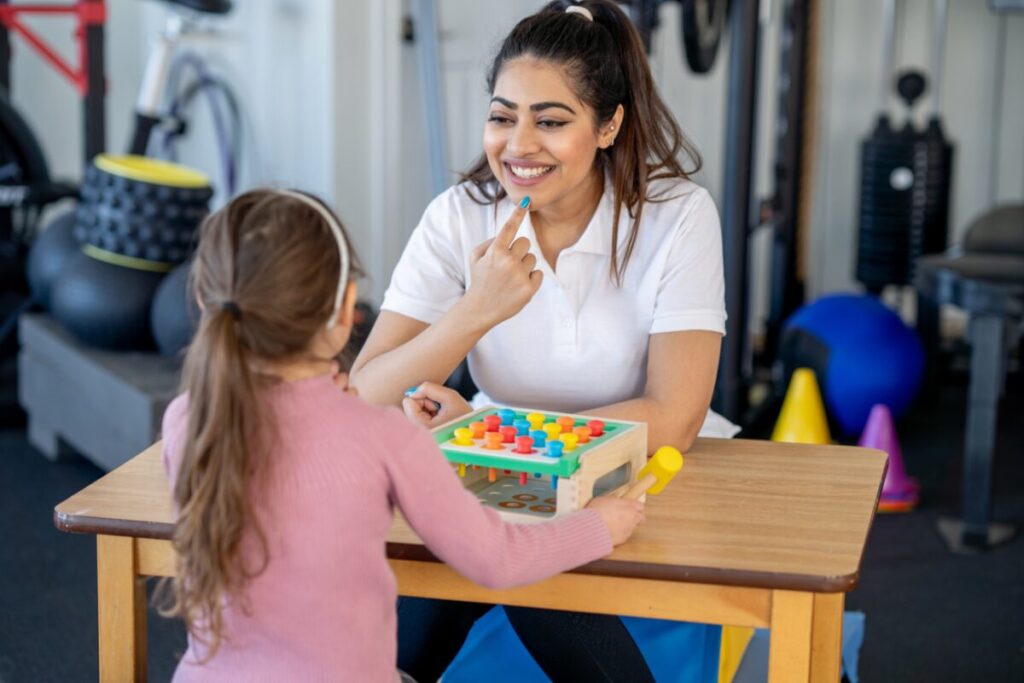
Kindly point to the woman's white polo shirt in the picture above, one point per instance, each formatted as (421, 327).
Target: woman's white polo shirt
(582, 340)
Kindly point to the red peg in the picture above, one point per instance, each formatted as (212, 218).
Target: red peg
(596, 427)
(522, 478)
(508, 434)
(492, 422)
(524, 444)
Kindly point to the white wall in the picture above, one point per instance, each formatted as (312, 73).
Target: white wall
(50, 103)
(300, 69)
(331, 100)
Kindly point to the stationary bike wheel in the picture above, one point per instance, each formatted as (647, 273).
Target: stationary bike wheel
(18, 146)
(21, 164)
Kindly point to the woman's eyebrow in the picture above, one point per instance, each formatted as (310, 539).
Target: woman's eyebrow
(539, 106)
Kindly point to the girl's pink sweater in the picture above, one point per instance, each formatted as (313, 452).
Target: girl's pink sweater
(324, 608)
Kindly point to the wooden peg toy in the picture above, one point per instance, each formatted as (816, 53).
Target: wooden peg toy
(496, 450)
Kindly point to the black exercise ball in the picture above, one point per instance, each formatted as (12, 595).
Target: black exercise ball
(105, 305)
(174, 315)
(49, 255)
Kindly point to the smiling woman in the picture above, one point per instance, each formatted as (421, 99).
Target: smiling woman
(579, 270)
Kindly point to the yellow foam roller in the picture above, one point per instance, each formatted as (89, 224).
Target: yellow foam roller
(153, 171)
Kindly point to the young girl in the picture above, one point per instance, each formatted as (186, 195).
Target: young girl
(285, 484)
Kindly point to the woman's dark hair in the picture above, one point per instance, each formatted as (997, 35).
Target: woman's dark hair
(266, 272)
(607, 65)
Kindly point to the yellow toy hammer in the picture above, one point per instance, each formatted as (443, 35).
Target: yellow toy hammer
(663, 465)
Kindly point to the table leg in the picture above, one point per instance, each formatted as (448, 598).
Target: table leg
(789, 649)
(827, 637)
(986, 384)
(121, 607)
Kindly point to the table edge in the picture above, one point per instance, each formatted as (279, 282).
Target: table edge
(84, 524)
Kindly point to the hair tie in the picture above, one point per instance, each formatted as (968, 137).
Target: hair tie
(232, 308)
(580, 10)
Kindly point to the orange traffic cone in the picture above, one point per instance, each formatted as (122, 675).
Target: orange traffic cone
(899, 492)
(802, 419)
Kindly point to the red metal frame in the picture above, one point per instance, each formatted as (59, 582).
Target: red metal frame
(87, 12)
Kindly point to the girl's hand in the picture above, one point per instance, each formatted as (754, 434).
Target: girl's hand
(619, 515)
(503, 275)
(433, 404)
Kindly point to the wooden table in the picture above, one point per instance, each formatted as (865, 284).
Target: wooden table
(751, 533)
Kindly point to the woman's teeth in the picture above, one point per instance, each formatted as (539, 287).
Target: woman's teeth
(529, 171)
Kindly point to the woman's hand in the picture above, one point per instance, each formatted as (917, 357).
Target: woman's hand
(503, 275)
(619, 515)
(433, 404)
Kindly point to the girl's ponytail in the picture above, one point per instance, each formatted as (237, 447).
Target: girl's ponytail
(214, 487)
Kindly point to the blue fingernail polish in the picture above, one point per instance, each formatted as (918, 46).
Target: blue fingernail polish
(525, 203)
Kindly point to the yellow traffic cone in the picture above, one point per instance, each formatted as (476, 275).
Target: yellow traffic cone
(802, 419)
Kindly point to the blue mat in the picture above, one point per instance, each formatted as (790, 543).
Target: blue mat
(676, 652)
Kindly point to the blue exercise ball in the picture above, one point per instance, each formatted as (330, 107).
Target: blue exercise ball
(862, 353)
(174, 315)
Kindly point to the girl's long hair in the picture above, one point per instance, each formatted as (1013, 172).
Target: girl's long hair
(607, 65)
(266, 273)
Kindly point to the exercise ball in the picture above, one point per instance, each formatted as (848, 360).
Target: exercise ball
(105, 305)
(174, 315)
(49, 254)
(862, 353)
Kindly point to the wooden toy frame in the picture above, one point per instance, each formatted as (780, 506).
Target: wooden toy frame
(617, 456)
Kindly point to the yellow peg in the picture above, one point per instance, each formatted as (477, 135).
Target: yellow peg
(570, 440)
(553, 430)
(463, 436)
(535, 420)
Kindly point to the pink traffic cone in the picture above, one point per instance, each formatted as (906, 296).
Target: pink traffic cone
(899, 492)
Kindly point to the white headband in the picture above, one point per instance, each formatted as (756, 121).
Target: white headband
(580, 10)
(339, 236)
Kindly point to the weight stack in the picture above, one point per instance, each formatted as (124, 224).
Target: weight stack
(906, 178)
